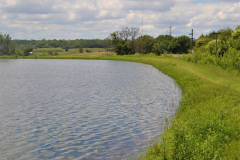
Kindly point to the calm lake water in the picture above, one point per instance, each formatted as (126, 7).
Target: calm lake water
(81, 109)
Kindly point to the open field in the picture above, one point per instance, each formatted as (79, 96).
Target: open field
(70, 52)
(59, 53)
(207, 124)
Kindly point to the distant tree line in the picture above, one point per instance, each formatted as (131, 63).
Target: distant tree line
(126, 41)
(65, 44)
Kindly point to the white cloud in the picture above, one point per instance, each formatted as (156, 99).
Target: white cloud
(71, 19)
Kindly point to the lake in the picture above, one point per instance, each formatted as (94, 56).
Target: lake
(81, 109)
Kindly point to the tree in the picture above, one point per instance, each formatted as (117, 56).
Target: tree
(202, 41)
(13, 48)
(225, 33)
(1, 44)
(124, 41)
(134, 34)
(165, 42)
(235, 42)
(145, 44)
(184, 44)
(157, 49)
(7, 47)
(123, 49)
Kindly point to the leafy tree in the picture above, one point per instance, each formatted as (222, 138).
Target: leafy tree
(124, 41)
(123, 49)
(202, 41)
(211, 47)
(236, 33)
(1, 44)
(225, 33)
(145, 44)
(7, 46)
(13, 48)
(166, 42)
(235, 43)
(174, 46)
(157, 49)
(184, 44)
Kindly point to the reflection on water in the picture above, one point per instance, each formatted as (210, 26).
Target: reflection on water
(81, 109)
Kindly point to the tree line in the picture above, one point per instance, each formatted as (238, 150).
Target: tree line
(127, 41)
(65, 44)
(123, 42)
(8, 46)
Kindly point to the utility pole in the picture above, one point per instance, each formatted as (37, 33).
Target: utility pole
(191, 36)
(216, 41)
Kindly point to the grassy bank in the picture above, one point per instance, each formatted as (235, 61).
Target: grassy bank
(207, 124)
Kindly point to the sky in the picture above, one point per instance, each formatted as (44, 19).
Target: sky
(96, 19)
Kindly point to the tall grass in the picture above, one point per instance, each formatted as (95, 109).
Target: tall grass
(207, 124)
(229, 61)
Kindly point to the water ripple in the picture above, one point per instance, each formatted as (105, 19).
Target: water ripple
(79, 109)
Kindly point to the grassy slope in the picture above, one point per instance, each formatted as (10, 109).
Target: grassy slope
(207, 124)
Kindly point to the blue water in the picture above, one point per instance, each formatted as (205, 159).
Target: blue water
(81, 109)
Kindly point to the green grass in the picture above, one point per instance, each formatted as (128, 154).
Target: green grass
(207, 123)
(59, 53)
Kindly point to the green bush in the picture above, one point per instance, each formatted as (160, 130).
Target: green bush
(123, 49)
(27, 51)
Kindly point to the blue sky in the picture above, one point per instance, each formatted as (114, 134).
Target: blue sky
(90, 19)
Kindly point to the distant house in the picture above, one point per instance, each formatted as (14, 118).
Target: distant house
(31, 53)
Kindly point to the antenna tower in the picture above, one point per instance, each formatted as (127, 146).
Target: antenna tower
(170, 30)
(142, 30)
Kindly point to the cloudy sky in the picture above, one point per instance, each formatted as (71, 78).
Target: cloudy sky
(89, 19)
